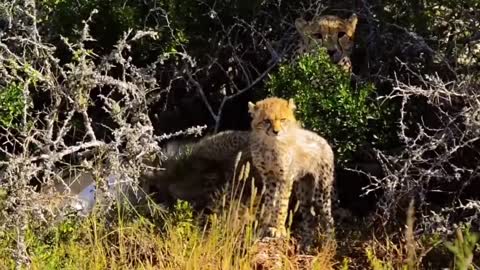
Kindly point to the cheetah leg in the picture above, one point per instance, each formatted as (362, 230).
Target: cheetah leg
(322, 204)
(304, 191)
(315, 211)
(275, 207)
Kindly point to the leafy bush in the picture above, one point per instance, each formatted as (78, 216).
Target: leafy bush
(189, 23)
(463, 248)
(328, 104)
(114, 17)
(12, 104)
(183, 218)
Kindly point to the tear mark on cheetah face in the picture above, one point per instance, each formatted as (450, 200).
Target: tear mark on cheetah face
(333, 33)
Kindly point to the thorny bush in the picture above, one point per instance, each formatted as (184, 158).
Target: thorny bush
(54, 134)
(74, 100)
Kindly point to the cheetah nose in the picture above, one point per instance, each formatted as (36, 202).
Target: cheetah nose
(275, 131)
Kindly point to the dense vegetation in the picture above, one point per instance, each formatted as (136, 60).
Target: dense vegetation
(348, 116)
(103, 86)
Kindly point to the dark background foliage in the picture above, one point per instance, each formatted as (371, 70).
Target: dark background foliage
(404, 125)
(233, 42)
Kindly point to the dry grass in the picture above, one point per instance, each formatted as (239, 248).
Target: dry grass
(149, 237)
(156, 240)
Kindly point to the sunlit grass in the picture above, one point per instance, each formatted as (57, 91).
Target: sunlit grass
(176, 242)
(151, 237)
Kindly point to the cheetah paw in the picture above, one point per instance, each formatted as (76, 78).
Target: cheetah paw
(275, 232)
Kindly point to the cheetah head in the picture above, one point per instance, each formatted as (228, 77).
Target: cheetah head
(272, 116)
(333, 33)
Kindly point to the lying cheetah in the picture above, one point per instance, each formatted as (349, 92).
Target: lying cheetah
(200, 172)
(291, 161)
(333, 33)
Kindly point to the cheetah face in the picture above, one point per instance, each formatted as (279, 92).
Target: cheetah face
(331, 32)
(272, 116)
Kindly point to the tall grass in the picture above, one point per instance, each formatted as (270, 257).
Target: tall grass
(149, 236)
(153, 238)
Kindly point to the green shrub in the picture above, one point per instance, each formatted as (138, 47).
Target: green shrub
(329, 105)
(182, 218)
(463, 248)
(114, 17)
(12, 104)
(190, 23)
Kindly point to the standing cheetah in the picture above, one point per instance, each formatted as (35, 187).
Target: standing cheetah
(291, 161)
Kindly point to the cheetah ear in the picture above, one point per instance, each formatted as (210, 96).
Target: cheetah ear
(251, 107)
(291, 104)
(353, 23)
(300, 24)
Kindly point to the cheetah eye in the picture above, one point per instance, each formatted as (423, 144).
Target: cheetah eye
(341, 34)
(283, 120)
(266, 122)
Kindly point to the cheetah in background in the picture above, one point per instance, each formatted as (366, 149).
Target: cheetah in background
(291, 161)
(333, 33)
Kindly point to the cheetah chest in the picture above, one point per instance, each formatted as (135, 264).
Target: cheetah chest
(276, 159)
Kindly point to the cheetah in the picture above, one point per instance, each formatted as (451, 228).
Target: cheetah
(291, 164)
(333, 33)
(202, 169)
(221, 146)
(291, 161)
